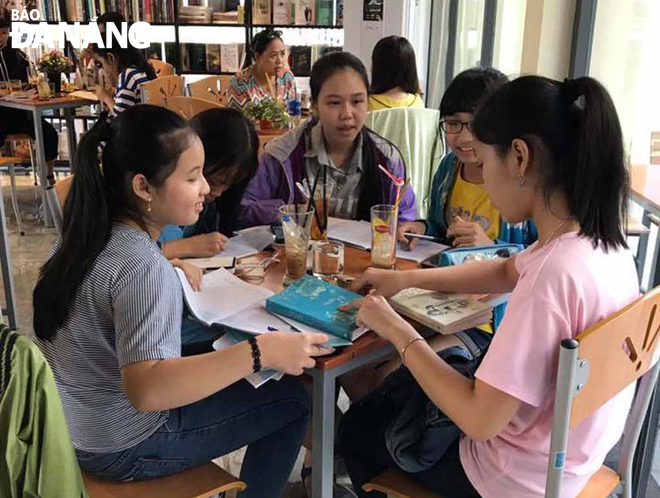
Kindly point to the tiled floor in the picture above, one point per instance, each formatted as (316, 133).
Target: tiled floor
(29, 252)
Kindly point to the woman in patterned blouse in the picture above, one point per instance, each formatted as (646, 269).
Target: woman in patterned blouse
(268, 76)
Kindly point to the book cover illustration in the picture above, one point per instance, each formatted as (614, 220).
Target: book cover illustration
(316, 303)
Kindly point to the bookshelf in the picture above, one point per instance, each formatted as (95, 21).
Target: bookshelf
(180, 28)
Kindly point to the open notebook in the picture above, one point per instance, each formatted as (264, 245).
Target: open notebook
(358, 234)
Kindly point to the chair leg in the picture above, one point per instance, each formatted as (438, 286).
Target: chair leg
(14, 200)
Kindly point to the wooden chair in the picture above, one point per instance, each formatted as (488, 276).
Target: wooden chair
(162, 68)
(199, 482)
(190, 106)
(158, 91)
(594, 367)
(212, 88)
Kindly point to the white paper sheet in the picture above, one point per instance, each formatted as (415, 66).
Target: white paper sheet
(423, 251)
(248, 242)
(222, 295)
(355, 233)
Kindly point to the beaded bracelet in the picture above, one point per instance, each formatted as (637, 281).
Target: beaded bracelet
(256, 354)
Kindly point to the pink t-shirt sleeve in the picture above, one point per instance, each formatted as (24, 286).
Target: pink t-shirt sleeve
(522, 359)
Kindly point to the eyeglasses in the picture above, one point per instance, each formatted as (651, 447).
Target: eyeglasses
(454, 126)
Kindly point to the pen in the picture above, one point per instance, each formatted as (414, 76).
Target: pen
(423, 237)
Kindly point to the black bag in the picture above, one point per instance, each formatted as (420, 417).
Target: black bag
(420, 433)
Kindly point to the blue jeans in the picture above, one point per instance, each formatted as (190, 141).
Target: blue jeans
(271, 420)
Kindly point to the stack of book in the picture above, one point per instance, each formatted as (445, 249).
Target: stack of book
(195, 15)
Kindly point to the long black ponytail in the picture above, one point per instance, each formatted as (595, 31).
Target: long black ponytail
(145, 140)
(574, 133)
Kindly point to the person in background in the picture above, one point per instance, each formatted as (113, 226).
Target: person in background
(461, 209)
(268, 76)
(333, 146)
(14, 66)
(108, 309)
(394, 81)
(551, 151)
(126, 69)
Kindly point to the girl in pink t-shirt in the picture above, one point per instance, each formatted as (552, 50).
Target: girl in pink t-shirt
(551, 151)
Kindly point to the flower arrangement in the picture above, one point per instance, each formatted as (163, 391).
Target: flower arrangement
(53, 62)
(268, 111)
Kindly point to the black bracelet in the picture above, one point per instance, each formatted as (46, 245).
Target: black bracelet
(256, 354)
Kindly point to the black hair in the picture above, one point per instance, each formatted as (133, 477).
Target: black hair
(5, 18)
(574, 135)
(111, 17)
(393, 64)
(144, 139)
(260, 43)
(231, 147)
(324, 68)
(129, 57)
(469, 88)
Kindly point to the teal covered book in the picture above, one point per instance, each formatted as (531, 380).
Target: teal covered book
(316, 303)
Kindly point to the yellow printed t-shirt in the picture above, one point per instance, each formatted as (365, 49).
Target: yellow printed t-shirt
(471, 202)
(378, 102)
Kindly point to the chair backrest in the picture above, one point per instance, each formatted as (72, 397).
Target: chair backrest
(600, 363)
(162, 68)
(157, 91)
(416, 133)
(212, 88)
(190, 106)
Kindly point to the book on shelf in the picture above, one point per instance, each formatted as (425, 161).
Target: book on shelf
(230, 17)
(195, 14)
(197, 57)
(282, 12)
(339, 19)
(305, 12)
(300, 60)
(314, 302)
(442, 312)
(324, 13)
(261, 11)
(170, 53)
(231, 55)
(213, 58)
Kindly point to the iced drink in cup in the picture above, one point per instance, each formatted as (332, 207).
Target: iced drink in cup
(296, 224)
(322, 198)
(383, 236)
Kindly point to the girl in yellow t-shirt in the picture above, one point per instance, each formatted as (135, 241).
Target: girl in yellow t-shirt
(394, 81)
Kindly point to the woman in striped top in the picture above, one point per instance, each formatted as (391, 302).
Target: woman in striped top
(126, 69)
(108, 309)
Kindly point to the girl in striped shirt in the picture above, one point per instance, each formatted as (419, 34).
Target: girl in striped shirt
(108, 309)
(127, 69)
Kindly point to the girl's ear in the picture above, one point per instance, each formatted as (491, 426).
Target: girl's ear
(522, 155)
(141, 188)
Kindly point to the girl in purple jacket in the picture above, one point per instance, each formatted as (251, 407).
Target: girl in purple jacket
(334, 144)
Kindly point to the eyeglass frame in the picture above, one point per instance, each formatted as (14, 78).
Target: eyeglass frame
(464, 124)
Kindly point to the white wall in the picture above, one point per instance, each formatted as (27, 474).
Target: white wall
(409, 18)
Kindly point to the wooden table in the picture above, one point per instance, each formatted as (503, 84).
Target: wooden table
(645, 191)
(367, 349)
(37, 108)
(267, 136)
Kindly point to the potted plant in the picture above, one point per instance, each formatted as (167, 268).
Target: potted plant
(269, 114)
(54, 63)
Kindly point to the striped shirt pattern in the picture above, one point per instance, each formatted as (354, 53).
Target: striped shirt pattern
(243, 89)
(128, 93)
(127, 309)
